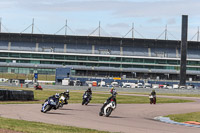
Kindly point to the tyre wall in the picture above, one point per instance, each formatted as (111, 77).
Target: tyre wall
(16, 95)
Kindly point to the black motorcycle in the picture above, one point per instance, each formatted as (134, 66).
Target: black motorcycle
(86, 98)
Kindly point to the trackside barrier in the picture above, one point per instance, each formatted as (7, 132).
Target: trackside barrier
(16, 95)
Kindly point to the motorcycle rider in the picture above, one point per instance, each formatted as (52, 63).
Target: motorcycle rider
(114, 93)
(89, 92)
(66, 95)
(37, 85)
(153, 93)
(55, 98)
(109, 101)
(111, 90)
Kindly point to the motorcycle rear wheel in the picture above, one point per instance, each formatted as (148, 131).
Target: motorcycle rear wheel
(87, 102)
(154, 101)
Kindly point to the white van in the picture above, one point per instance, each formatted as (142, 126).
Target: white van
(140, 85)
(147, 85)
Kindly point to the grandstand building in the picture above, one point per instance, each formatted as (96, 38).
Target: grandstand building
(96, 56)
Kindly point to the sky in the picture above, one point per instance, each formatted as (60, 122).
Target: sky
(116, 17)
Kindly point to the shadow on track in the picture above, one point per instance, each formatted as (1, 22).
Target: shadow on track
(65, 109)
(57, 113)
(91, 105)
(116, 117)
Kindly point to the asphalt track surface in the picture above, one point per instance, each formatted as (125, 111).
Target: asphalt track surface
(128, 118)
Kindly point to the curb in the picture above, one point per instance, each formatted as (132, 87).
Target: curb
(168, 120)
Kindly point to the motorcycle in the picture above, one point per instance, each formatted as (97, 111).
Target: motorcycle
(48, 105)
(38, 87)
(107, 108)
(86, 99)
(152, 99)
(61, 100)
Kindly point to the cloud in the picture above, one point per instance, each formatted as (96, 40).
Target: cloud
(118, 25)
(145, 13)
(116, 34)
(118, 8)
(83, 31)
(171, 21)
(155, 20)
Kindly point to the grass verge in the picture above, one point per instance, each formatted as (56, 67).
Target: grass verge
(76, 97)
(194, 116)
(164, 94)
(38, 127)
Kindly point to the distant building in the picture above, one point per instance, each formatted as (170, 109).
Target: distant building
(96, 56)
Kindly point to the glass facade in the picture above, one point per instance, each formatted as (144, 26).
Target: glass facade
(93, 61)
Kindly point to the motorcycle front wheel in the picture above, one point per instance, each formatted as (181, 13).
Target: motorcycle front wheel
(83, 102)
(61, 104)
(100, 113)
(108, 112)
(46, 108)
(151, 101)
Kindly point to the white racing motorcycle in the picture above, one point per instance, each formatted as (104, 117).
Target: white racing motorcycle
(107, 108)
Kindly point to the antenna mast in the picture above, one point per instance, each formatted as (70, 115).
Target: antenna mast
(166, 32)
(133, 31)
(99, 28)
(0, 25)
(66, 28)
(198, 34)
(32, 25)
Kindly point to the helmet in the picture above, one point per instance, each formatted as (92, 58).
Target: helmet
(111, 91)
(67, 91)
(153, 90)
(57, 95)
(89, 88)
(114, 92)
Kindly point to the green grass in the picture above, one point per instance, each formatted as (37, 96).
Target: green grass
(182, 95)
(27, 76)
(164, 94)
(194, 116)
(76, 97)
(38, 127)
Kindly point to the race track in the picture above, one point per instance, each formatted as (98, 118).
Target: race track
(128, 118)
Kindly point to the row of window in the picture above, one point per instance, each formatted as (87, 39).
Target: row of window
(100, 64)
(52, 71)
(95, 58)
(27, 70)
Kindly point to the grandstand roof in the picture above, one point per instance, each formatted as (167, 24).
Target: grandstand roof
(25, 37)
